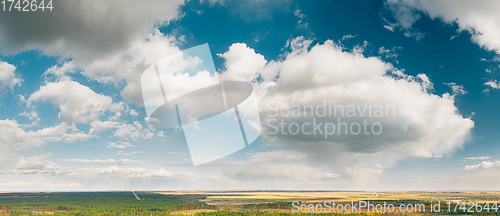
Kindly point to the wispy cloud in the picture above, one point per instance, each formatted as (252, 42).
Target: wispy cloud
(478, 158)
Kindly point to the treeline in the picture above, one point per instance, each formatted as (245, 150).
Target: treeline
(98, 203)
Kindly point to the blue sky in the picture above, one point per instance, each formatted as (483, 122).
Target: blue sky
(72, 116)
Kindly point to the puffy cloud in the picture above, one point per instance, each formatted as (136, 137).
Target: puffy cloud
(120, 65)
(13, 134)
(77, 103)
(98, 126)
(242, 63)
(122, 145)
(180, 73)
(123, 130)
(31, 163)
(84, 30)
(38, 165)
(493, 84)
(126, 66)
(60, 71)
(100, 178)
(76, 137)
(485, 165)
(133, 132)
(323, 66)
(7, 157)
(100, 40)
(8, 78)
(413, 121)
(480, 19)
(482, 176)
(102, 162)
(425, 82)
(32, 115)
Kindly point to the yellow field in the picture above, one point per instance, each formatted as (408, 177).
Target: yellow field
(190, 212)
(232, 199)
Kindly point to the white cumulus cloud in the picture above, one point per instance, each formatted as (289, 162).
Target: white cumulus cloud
(84, 30)
(421, 124)
(77, 103)
(8, 78)
(480, 18)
